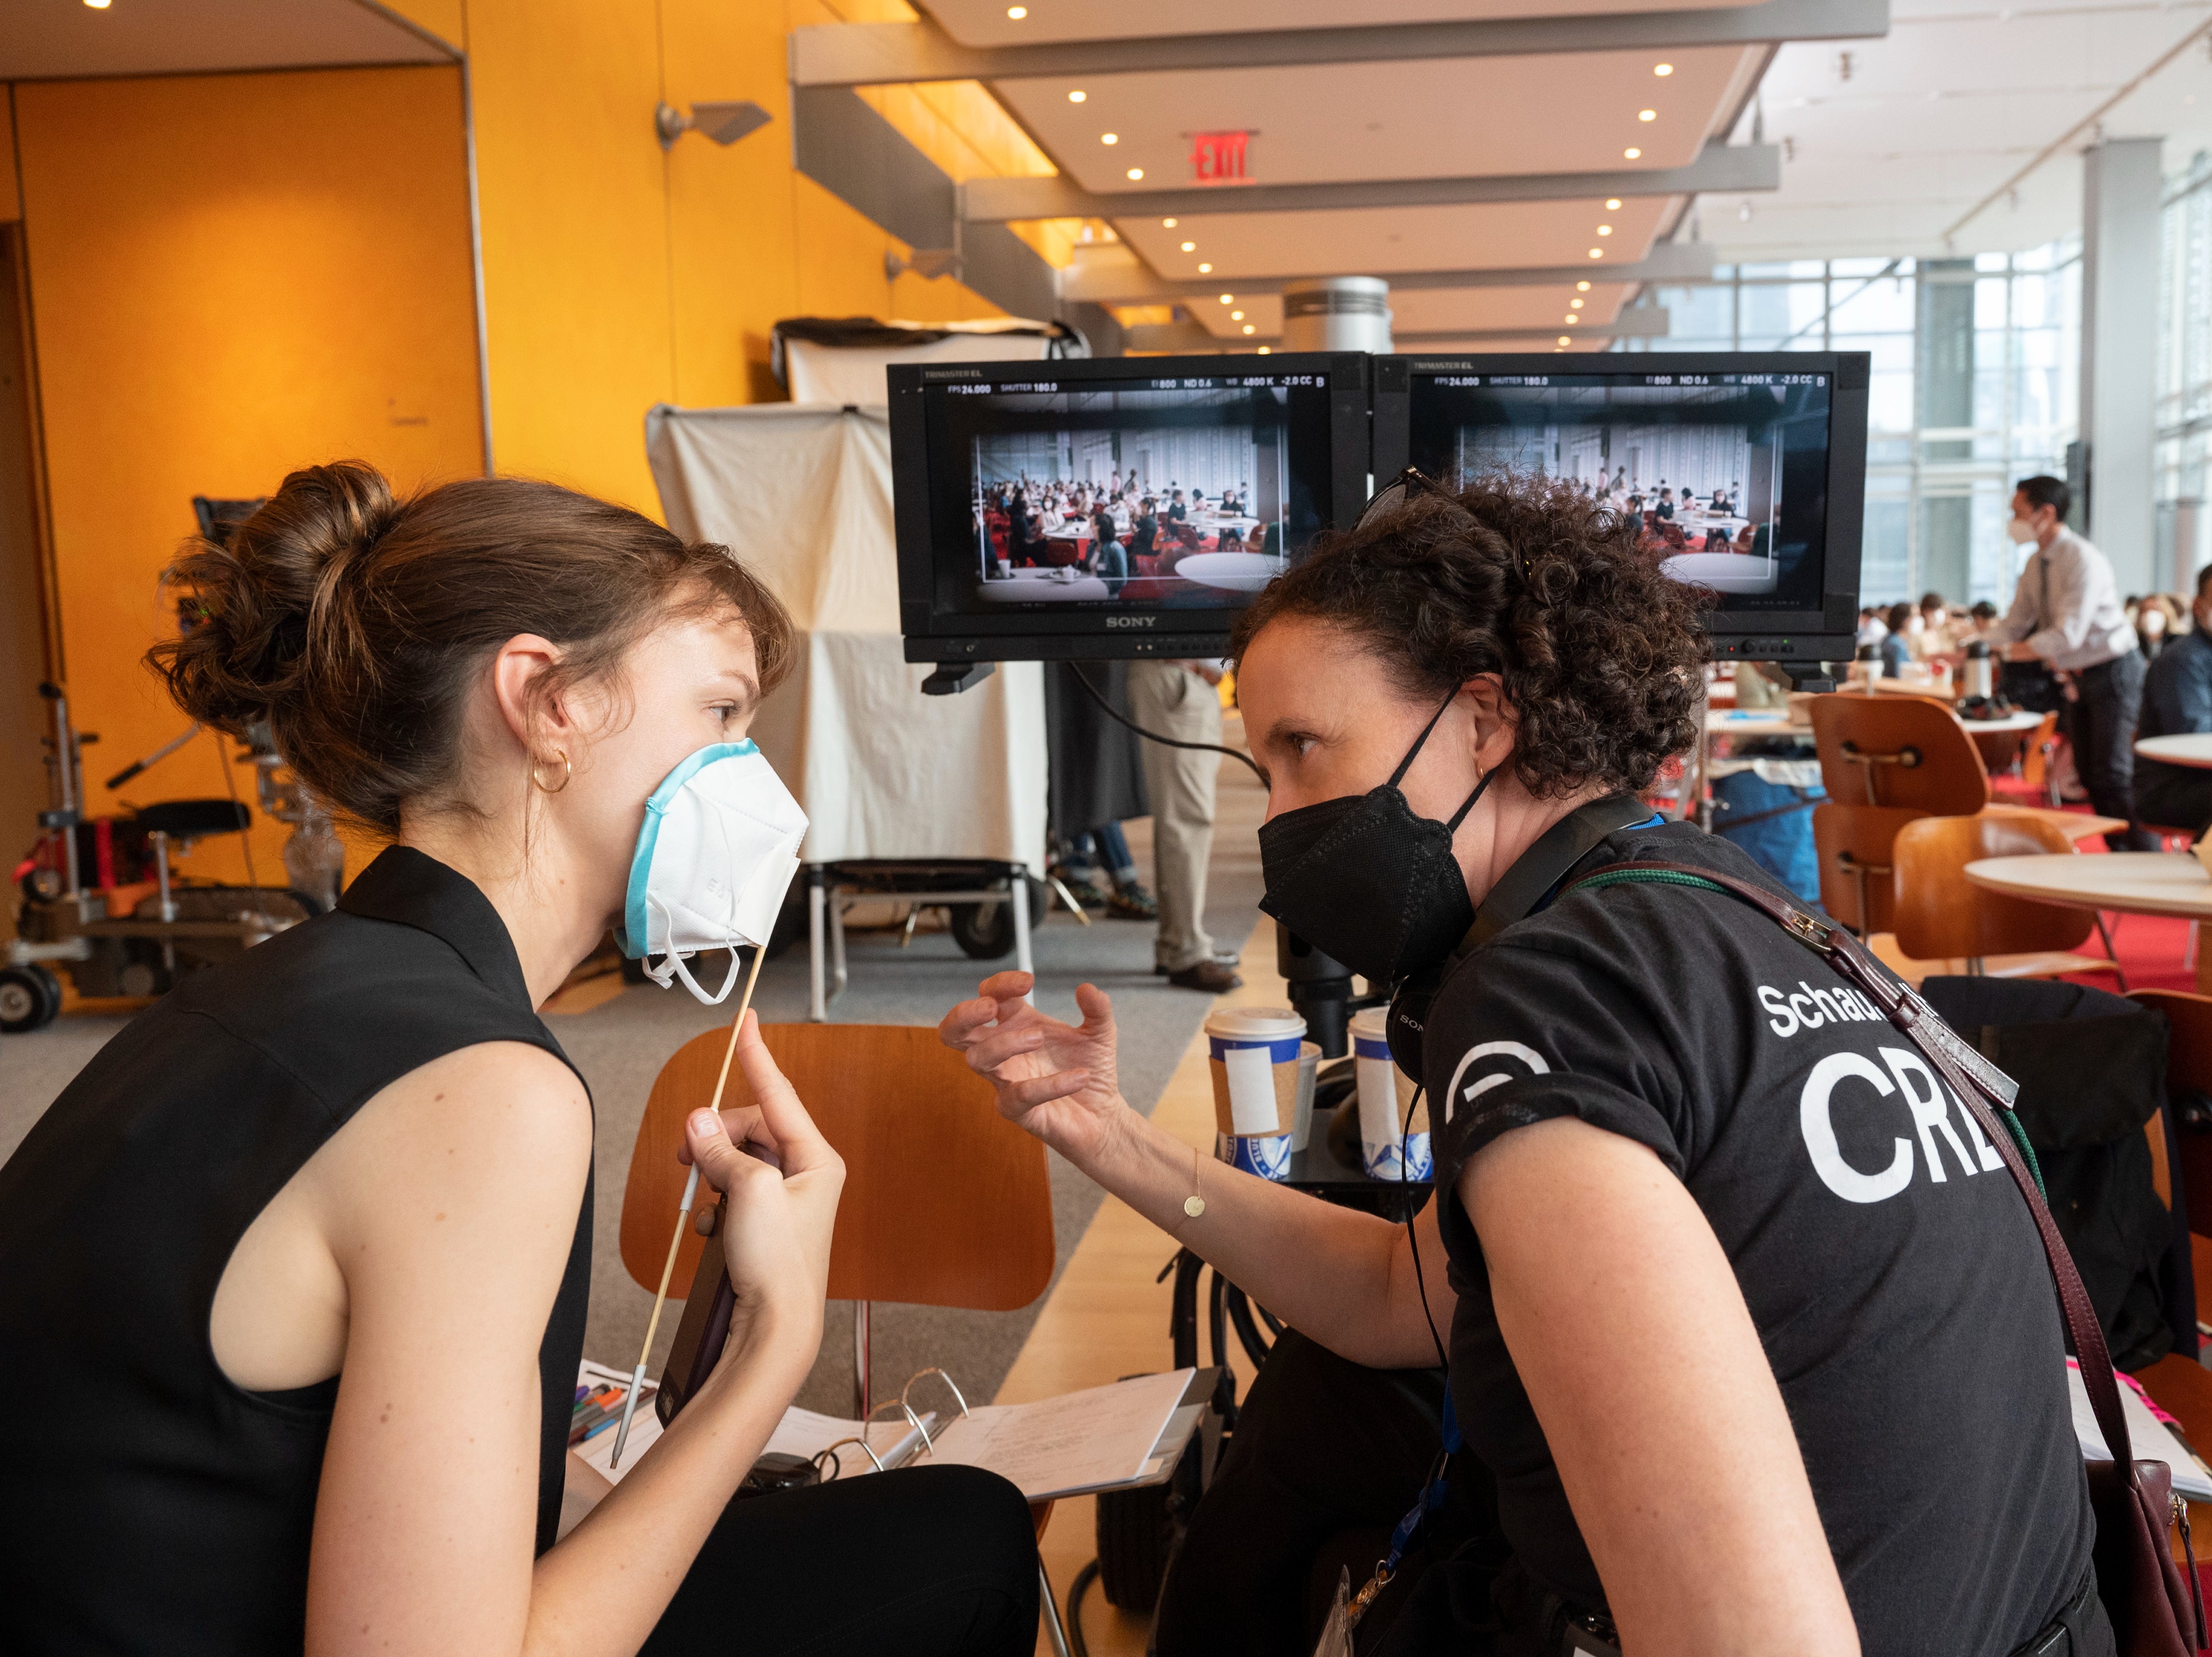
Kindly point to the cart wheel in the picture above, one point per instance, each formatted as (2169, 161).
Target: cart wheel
(30, 999)
(985, 932)
(1136, 1538)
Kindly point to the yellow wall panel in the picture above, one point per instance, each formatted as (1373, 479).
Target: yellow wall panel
(575, 238)
(233, 277)
(446, 18)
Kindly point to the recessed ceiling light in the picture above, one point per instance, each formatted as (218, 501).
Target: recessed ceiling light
(1018, 12)
(1663, 69)
(1190, 247)
(1568, 319)
(1076, 97)
(1563, 339)
(1250, 329)
(98, 5)
(1136, 172)
(1597, 252)
(1578, 303)
(1613, 205)
(1633, 153)
(1605, 230)
(1264, 350)
(1205, 269)
(1167, 224)
(1109, 137)
(1237, 316)
(1647, 114)
(1582, 288)
(1229, 299)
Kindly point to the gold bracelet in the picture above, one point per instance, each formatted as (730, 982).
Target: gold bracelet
(1194, 1205)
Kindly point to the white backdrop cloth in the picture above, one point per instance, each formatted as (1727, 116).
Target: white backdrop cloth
(803, 495)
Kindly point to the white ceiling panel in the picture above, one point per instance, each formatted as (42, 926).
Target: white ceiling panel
(1444, 117)
(1429, 311)
(1890, 143)
(985, 22)
(1491, 236)
(62, 39)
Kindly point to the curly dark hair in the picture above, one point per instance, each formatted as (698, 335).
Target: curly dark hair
(1523, 576)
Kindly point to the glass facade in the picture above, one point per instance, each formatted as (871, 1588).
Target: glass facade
(2184, 373)
(1973, 387)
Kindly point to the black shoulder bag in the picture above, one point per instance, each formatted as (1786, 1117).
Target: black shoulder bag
(2154, 1612)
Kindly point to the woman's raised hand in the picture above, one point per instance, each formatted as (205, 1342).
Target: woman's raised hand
(1058, 1080)
(781, 1180)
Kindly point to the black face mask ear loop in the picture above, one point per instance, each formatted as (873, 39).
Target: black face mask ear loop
(1414, 753)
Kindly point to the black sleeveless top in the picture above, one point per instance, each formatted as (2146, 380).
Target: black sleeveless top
(152, 1504)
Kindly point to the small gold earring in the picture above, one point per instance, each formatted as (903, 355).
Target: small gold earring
(567, 772)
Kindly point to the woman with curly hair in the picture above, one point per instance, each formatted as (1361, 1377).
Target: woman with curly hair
(1746, 1354)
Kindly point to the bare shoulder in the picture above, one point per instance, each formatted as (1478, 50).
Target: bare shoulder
(468, 1143)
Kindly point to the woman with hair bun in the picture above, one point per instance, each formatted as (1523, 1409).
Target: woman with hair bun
(298, 1264)
(1741, 1344)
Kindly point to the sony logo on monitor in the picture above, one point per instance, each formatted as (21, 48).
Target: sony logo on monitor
(1133, 621)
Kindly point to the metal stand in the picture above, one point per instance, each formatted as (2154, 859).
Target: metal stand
(862, 1357)
(1054, 1626)
(831, 888)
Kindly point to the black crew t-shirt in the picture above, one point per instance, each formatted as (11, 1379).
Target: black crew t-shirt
(1888, 1262)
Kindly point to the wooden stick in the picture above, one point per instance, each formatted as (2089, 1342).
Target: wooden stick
(683, 1213)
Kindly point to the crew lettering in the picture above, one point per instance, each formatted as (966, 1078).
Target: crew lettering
(1924, 1096)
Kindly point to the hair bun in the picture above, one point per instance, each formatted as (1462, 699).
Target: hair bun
(253, 604)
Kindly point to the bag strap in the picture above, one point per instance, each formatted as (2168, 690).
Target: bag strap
(1977, 1083)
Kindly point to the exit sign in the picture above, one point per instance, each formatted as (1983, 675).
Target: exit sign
(1218, 157)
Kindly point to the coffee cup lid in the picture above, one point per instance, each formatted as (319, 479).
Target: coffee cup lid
(1254, 1024)
(1374, 1023)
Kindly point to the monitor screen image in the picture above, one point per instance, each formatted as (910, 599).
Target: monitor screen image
(1114, 506)
(1727, 472)
(1178, 492)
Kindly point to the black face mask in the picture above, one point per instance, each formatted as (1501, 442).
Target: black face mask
(1364, 880)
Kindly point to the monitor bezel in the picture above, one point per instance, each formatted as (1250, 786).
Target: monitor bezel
(1806, 635)
(1097, 635)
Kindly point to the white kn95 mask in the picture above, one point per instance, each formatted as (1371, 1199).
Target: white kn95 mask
(714, 859)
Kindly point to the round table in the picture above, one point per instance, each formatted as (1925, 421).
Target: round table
(1229, 571)
(2195, 751)
(2170, 883)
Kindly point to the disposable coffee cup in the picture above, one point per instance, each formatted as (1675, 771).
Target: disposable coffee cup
(1392, 1146)
(1254, 1053)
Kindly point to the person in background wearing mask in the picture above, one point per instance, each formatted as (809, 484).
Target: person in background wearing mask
(2066, 615)
(1872, 628)
(1720, 1385)
(2176, 701)
(1935, 636)
(302, 1258)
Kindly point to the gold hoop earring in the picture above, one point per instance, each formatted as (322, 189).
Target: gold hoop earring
(567, 771)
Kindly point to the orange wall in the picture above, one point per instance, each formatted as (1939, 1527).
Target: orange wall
(616, 277)
(232, 275)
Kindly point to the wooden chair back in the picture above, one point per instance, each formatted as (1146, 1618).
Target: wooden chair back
(946, 1203)
(1939, 914)
(2188, 1069)
(1903, 750)
(1854, 844)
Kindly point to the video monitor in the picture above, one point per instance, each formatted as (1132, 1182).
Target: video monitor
(1748, 470)
(1112, 507)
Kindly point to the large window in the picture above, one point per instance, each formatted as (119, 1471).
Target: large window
(2184, 454)
(1973, 387)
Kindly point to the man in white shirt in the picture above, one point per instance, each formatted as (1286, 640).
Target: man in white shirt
(2066, 614)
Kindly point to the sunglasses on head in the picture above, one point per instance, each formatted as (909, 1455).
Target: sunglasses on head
(1404, 486)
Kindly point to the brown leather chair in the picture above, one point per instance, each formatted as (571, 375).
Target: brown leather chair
(1898, 750)
(1940, 917)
